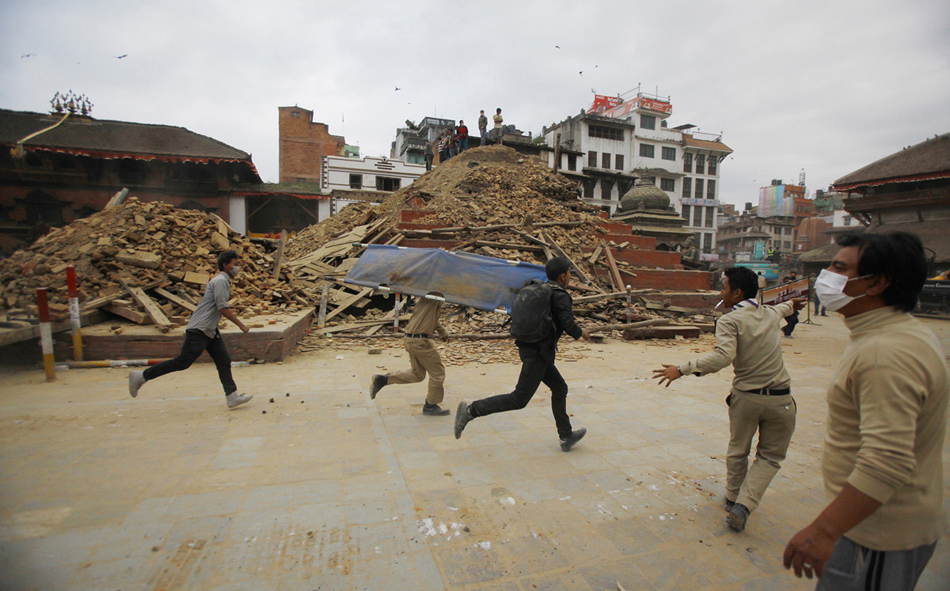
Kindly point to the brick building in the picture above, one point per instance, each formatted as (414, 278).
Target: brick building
(303, 144)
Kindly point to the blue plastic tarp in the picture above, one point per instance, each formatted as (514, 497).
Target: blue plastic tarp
(472, 280)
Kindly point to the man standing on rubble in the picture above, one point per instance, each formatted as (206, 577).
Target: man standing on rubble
(202, 334)
(423, 356)
(483, 127)
(537, 364)
(887, 418)
(498, 119)
(760, 398)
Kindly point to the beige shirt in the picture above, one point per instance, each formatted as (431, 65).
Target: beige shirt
(748, 338)
(887, 414)
(425, 318)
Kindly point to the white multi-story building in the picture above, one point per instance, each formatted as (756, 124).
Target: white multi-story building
(372, 178)
(623, 140)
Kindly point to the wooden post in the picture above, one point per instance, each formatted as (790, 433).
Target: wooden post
(280, 252)
(396, 313)
(557, 151)
(322, 316)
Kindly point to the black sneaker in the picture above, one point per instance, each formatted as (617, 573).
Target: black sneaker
(737, 517)
(434, 410)
(572, 439)
(462, 417)
(376, 384)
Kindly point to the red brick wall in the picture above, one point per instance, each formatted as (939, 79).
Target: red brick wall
(303, 144)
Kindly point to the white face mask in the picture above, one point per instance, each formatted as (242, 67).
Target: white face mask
(235, 271)
(829, 288)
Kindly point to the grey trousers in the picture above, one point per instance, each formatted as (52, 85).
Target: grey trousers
(773, 417)
(854, 567)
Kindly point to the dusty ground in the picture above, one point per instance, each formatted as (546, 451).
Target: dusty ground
(329, 490)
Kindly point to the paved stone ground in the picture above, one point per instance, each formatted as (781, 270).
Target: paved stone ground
(329, 490)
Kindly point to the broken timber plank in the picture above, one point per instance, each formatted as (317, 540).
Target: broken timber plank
(175, 299)
(644, 323)
(561, 252)
(596, 255)
(127, 312)
(349, 302)
(151, 308)
(614, 272)
(610, 296)
(502, 245)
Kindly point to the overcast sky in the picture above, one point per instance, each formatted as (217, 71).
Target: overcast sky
(828, 85)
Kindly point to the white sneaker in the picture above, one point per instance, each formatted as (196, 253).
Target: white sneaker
(237, 399)
(136, 381)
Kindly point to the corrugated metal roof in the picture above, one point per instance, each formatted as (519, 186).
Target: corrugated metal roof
(693, 142)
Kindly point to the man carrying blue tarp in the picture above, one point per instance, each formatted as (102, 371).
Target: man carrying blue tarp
(423, 357)
(538, 363)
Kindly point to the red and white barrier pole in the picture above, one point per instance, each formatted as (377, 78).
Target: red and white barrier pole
(46, 334)
(74, 312)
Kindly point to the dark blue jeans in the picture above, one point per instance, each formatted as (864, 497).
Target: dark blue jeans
(537, 367)
(791, 321)
(197, 342)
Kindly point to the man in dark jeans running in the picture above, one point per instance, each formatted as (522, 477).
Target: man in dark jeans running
(202, 334)
(537, 365)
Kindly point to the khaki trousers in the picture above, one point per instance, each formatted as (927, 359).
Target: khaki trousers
(774, 419)
(423, 357)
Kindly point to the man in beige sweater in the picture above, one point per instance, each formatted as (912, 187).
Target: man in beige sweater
(887, 413)
(423, 356)
(760, 399)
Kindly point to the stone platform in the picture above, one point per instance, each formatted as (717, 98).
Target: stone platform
(272, 342)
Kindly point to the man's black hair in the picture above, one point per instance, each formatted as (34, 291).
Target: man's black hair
(556, 267)
(744, 279)
(226, 257)
(899, 256)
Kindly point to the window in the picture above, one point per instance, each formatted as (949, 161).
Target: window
(711, 189)
(700, 164)
(605, 189)
(605, 160)
(686, 213)
(385, 183)
(668, 184)
(592, 159)
(646, 150)
(710, 217)
(687, 187)
(572, 161)
(356, 181)
(787, 244)
(798, 208)
(808, 209)
(707, 242)
(847, 220)
(589, 188)
(301, 179)
(647, 122)
(295, 114)
(619, 162)
(669, 154)
(697, 216)
(699, 188)
(713, 161)
(687, 163)
(607, 133)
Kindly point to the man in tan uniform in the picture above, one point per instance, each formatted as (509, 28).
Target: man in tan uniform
(887, 414)
(423, 356)
(760, 398)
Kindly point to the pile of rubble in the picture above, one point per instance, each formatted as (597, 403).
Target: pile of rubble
(491, 201)
(146, 262)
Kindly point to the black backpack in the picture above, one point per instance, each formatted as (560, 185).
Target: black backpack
(531, 319)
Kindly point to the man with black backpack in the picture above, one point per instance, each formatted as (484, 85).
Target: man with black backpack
(540, 313)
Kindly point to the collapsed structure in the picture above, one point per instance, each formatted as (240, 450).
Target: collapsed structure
(491, 201)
